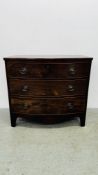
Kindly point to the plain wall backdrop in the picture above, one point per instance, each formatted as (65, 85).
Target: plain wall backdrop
(49, 27)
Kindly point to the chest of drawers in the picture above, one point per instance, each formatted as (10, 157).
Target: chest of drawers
(48, 88)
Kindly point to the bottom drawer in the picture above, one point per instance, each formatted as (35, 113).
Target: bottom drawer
(56, 106)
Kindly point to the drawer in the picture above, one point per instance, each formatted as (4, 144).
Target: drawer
(23, 69)
(47, 106)
(50, 88)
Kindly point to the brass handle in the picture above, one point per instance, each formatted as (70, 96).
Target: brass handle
(70, 106)
(71, 88)
(25, 106)
(72, 70)
(23, 70)
(25, 88)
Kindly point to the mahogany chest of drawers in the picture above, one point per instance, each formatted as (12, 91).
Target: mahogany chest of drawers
(48, 88)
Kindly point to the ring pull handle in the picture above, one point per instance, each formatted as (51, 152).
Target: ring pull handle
(71, 88)
(70, 106)
(25, 88)
(25, 106)
(23, 70)
(72, 70)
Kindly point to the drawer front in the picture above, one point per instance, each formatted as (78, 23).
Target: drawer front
(47, 106)
(48, 88)
(47, 71)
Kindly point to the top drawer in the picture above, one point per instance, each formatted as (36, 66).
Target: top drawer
(23, 69)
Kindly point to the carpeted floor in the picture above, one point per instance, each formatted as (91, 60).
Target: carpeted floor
(60, 149)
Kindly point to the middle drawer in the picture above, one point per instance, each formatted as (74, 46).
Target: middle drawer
(49, 88)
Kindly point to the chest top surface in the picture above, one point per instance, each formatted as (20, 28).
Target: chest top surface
(49, 57)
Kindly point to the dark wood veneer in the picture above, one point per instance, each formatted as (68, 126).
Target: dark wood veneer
(48, 105)
(24, 69)
(39, 88)
(46, 88)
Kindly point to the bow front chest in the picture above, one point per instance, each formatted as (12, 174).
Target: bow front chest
(48, 88)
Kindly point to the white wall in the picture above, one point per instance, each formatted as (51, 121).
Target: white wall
(49, 27)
